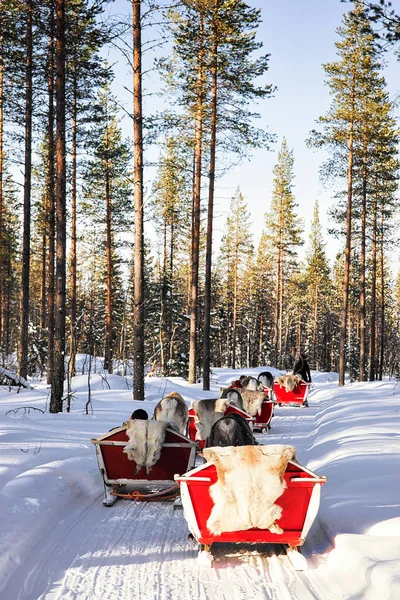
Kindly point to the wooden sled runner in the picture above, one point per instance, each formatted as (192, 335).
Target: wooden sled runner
(298, 396)
(300, 504)
(178, 455)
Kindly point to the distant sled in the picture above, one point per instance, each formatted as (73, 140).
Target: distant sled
(298, 396)
(178, 455)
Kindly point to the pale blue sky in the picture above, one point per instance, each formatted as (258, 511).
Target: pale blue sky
(300, 36)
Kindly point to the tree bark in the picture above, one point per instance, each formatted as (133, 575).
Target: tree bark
(194, 281)
(138, 313)
(2, 254)
(278, 295)
(346, 277)
(382, 316)
(73, 255)
(316, 308)
(43, 290)
(362, 268)
(210, 213)
(50, 203)
(163, 298)
(235, 294)
(372, 355)
(108, 353)
(57, 386)
(24, 306)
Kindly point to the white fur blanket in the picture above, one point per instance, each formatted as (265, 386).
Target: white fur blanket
(289, 382)
(145, 442)
(250, 479)
(207, 412)
(252, 401)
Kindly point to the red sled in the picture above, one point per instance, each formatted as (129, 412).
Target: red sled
(231, 409)
(298, 396)
(263, 420)
(178, 455)
(300, 503)
(235, 385)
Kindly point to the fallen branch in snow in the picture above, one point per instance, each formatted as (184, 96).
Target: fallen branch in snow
(26, 409)
(36, 449)
(104, 378)
(9, 376)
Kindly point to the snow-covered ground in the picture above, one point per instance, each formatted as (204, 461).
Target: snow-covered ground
(57, 541)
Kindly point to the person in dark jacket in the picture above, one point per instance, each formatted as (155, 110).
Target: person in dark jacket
(139, 413)
(302, 368)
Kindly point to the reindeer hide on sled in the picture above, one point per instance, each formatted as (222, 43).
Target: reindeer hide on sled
(289, 382)
(145, 442)
(252, 401)
(250, 480)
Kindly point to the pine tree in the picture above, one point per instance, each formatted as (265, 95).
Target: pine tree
(349, 129)
(213, 73)
(86, 72)
(284, 233)
(108, 198)
(232, 71)
(319, 289)
(11, 268)
(236, 246)
(264, 275)
(171, 195)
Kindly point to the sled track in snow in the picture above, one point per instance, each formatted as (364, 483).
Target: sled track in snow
(140, 550)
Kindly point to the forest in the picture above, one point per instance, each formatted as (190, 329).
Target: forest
(79, 272)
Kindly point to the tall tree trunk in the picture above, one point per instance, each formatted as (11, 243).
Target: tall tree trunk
(227, 342)
(372, 355)
(57, 386)
(346, 277)
(362, 268)
(43, 268)
(2, 253)
(108, 354)
(24, 307)
(280, 328)
(73, 255)
(163, 298)
(138, 259)
(278, 296)
(7, 302)
(194, 280)
(50, 202)
(277, 312)
(316, 307)
(235, 295)
(382, 316)
(210, 213)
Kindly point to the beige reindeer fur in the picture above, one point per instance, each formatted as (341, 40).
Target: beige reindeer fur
(250, 480)
(207, 412)
(145, 442)
(173, 409)
(289, 382)
(252, 401)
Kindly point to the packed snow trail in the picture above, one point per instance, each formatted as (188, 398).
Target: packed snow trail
(140, 550)
(57, 541)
